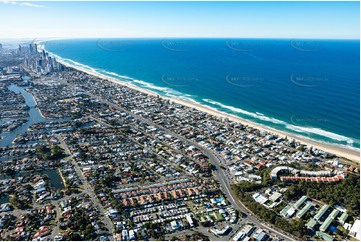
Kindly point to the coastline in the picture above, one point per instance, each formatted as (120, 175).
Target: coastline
(352, 155)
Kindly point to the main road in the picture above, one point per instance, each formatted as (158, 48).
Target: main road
(214, 158)
(87, 189)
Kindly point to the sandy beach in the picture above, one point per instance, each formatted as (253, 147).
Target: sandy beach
(352, 155)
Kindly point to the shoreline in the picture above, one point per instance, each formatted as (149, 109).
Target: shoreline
(62, 177)
(352, 155)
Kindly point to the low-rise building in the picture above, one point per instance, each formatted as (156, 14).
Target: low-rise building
(300, 202)
(311, 224)
(324, 226)
(304, 210)
(343, 218)
(288, 211)
(324, 236)
(321, 212)
(355, 230)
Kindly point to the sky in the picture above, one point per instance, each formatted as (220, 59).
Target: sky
(317, 20)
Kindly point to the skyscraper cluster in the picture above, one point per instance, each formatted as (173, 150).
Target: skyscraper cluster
(39, 61)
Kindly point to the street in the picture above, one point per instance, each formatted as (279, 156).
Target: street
(214, 158)
(88, 190)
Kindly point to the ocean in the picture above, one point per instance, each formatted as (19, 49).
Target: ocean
(309, 88)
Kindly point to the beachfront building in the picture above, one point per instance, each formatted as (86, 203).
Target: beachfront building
(294, 175)
(280, 170)
(336, 178)
(138, 198)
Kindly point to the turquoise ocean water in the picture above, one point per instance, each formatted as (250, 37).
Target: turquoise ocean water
(309, 88)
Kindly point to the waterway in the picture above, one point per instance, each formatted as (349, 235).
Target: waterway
(34, 116)
(53, 174)
(55, 180)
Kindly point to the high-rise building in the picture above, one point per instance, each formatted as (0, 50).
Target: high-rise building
(31, 48)
(1, 47)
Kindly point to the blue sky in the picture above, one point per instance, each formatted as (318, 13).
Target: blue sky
(335, 20)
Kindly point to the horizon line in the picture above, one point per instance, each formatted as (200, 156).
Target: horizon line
(159, 37)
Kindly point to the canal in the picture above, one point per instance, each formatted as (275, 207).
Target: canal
(34, 116)
(53, 175)
(55, 180)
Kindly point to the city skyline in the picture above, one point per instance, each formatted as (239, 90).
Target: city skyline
(179, 121)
